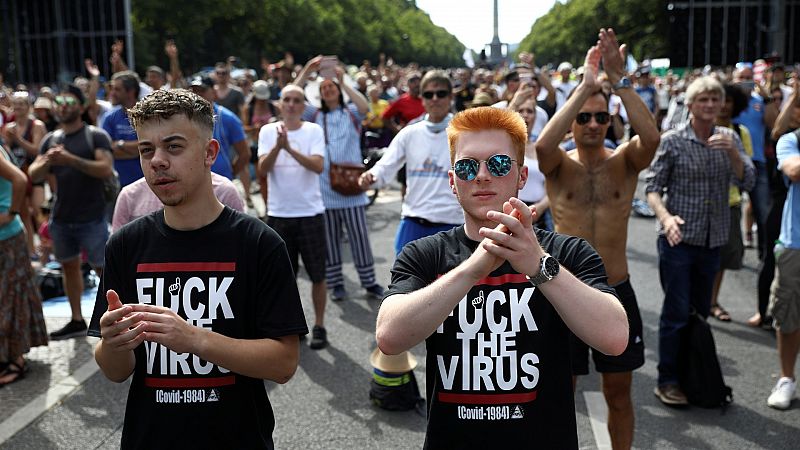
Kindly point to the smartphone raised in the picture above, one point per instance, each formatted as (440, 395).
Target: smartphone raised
(327, 67)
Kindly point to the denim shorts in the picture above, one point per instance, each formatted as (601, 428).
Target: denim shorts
(70, 238)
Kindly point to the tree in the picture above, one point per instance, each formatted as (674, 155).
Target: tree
(570, 28)
(210, 30)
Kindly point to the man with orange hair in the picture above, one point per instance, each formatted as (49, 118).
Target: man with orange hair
(495, 301)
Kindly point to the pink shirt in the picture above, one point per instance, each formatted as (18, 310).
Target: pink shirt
(136, 200)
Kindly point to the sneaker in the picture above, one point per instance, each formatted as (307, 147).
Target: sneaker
(75, 328)
(782, 393)
(375, 292)
(319, 338)
(338, 294)
(671, 395)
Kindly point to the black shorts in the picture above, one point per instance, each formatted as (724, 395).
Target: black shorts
(306, 236)
(731, 254)
(633, 356)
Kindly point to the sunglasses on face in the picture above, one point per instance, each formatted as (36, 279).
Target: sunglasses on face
(601, 117)
(498, 166)
(443, 93)
(70, 101)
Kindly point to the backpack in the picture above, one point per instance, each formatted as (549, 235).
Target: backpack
(50, 284)
(111, 185)
(699, 373)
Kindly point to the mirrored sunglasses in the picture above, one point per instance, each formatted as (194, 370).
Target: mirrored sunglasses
(601, 117)
(498, 166)
(71, 101)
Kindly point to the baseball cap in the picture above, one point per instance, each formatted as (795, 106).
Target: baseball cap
(203, 81)
(564, 66)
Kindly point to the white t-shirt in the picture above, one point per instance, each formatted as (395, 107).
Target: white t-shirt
(563, 90)
(293, 189)
(534, 189)
(427, 159)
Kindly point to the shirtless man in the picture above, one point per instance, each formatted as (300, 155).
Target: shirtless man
(590, 190)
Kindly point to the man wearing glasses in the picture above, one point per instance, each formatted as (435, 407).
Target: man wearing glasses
(590, 190)
(80, 159)
(292, 154)
(495, 300)
(428, 206)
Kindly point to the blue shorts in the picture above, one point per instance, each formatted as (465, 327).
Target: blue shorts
(70, 238)
(412, 228)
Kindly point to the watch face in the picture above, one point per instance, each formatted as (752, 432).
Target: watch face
(551, 266)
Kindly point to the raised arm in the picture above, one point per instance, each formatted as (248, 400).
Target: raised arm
(547, 146)
(117, 61)
(311, 66)
(640, 150)
(174, 65)
(356, 97)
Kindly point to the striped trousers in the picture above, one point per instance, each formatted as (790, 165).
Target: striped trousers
(355, 220)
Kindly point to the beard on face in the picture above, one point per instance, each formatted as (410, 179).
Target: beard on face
(70, 115)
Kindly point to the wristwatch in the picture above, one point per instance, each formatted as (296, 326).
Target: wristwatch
(120, 144)
(623, 83)
(548, 269)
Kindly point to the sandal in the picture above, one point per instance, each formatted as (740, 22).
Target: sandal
(14, 369)
(720, 314)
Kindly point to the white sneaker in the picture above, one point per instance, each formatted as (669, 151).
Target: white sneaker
(782, 393)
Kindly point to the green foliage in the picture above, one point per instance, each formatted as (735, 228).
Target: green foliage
(570, 28)
(207, 31)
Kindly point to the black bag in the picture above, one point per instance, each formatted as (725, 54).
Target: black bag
(50, 284)
(699, 372)
(398, 393)
(48, 278)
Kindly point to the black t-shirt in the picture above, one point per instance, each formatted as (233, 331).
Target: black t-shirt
(79, 198)
(498, 368)
(232, 276)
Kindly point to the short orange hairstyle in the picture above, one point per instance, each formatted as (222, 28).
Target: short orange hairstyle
(489, 118)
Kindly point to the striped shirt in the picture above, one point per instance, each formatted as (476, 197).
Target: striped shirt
(695, 179)
(343, 144)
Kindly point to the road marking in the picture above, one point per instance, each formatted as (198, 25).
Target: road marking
(30, 412)
(596, 406)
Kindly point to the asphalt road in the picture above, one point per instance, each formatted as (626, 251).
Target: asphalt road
(326, 406)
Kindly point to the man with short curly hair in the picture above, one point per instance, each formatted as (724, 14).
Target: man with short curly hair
(198, 301)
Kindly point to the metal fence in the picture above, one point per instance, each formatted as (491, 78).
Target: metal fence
(723, 32)
(49, 39)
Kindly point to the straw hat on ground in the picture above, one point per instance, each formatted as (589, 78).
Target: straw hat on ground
(401, 363)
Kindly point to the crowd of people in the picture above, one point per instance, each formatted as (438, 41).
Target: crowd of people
(509, 175)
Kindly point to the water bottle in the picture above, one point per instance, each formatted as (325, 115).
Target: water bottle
(779, 248)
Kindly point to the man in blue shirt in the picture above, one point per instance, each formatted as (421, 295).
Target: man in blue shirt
(753, 119)
(124, 92)
(785, 299)
(645, 89)
(228, 130)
